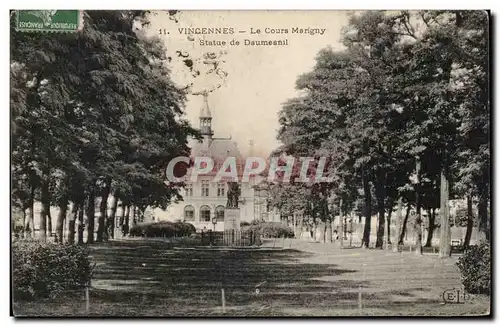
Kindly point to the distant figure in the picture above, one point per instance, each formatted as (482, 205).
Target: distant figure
(335, 235)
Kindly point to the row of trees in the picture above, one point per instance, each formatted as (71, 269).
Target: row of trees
(402, 114)
(94, 114)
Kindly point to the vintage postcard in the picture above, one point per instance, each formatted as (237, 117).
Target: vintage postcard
(250, 163)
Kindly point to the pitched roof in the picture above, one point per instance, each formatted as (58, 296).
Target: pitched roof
(218, 148)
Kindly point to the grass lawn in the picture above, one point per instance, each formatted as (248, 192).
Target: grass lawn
(146, 278)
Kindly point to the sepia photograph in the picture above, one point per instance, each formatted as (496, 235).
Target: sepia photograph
(237, 163)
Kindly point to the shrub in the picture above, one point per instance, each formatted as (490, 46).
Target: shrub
(187, 241)
(162, 229)
(244, 223)
(17, 230)
(42, 270)
(475, 268)
(271, 229)
(16, 222)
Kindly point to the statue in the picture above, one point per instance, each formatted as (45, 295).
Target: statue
(233, 194)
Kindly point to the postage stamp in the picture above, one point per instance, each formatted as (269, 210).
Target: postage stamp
(49, 20)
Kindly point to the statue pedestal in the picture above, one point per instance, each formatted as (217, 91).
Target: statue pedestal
(232, 219)
(232, 234)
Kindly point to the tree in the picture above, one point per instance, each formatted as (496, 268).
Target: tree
(115, 118)
(384, 112)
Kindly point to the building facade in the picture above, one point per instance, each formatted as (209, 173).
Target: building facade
(205, 199)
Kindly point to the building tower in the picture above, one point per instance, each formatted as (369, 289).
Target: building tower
(206, 121)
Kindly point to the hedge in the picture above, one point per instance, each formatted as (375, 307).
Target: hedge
(162, 229)
(44, 270)
(270, 229)
(475, 268)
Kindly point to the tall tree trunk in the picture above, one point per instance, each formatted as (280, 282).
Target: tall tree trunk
(404, 226)
(341, 223)
(122, 215)
(297, 228)
(418, 203)
(30, 227)
(102, 232)
(63, 208)
(126, 224)
(71, 224)
(112, 216)
(49, 223)
(444, 209)
(134, 215)
(81, 226)
(45, 203)
(444, 212)
(380, 192)
(301, 225)
(368, 209)
(399, 224)
(328, 221)
(328, 230)
(470, 221)
(315, 230)
(91, 215)
(23, 216)
(432, 226)
(388, 223)
(482, 211)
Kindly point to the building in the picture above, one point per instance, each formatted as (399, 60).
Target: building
(204, 201)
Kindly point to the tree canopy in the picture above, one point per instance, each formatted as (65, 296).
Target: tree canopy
(402, 112)
(94, 114)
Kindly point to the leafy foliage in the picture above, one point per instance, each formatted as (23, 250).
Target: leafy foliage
(270, 229)
(475, 268)
(42, 270)
(162, 229)
(392, 114)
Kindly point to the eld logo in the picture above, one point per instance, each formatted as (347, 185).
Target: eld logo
(455, 296)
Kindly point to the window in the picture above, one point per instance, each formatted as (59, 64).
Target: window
(205, 214)
(188, 190)
(221, 189)
(219, 212)
(189, 213)
(205, 185)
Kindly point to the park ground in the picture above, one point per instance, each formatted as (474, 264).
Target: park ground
(291, 278)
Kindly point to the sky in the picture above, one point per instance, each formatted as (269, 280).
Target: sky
(259, 78)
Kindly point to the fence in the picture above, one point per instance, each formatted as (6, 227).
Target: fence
(232, 238)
